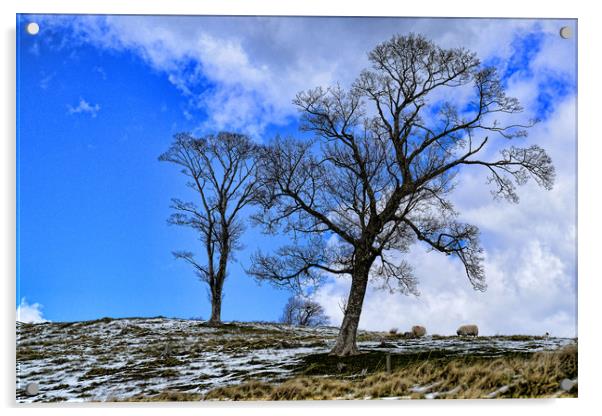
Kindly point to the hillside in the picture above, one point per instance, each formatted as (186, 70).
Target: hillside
(173, 359)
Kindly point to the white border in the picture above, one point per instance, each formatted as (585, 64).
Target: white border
(589, 208)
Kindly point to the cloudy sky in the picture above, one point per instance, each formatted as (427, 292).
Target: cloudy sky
(100, 98)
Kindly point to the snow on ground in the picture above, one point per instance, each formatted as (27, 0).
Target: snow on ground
(112, 359)
(481, 346)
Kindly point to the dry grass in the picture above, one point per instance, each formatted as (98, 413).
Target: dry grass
(538, 375)
(166, 396)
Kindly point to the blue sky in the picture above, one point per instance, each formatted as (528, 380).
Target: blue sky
(100, 97)
(93, 199)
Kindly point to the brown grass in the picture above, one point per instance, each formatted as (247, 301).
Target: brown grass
(167, 396)
(538, 375)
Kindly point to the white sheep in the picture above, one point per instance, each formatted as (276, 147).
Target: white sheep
(468, 330)
(418, 331)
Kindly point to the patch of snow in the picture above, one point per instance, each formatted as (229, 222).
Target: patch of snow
(424, 389)
(497, 392)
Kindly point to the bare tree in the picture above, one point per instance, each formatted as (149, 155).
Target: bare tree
(221, 170)
(376, 177)
(303, 312)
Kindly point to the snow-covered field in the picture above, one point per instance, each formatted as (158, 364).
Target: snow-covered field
(115, 359)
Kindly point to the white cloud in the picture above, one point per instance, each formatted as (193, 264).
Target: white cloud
(84, 107)
(45, 80)
(530, 247)
(30, 313)
(256, 65)
(101, 72)
(530, 257)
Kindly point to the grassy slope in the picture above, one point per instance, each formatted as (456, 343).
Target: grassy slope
(512, 376)
(164, 359)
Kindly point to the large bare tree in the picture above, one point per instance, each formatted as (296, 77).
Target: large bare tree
(377, 174)
(221, 170)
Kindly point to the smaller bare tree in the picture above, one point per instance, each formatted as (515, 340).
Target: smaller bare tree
(221, 171)
(303, 312)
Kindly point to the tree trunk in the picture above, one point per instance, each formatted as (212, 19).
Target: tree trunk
(216, 305)
(217, 290)
(345, 344)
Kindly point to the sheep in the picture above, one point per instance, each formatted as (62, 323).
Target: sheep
(468, 330)
(418, 331)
